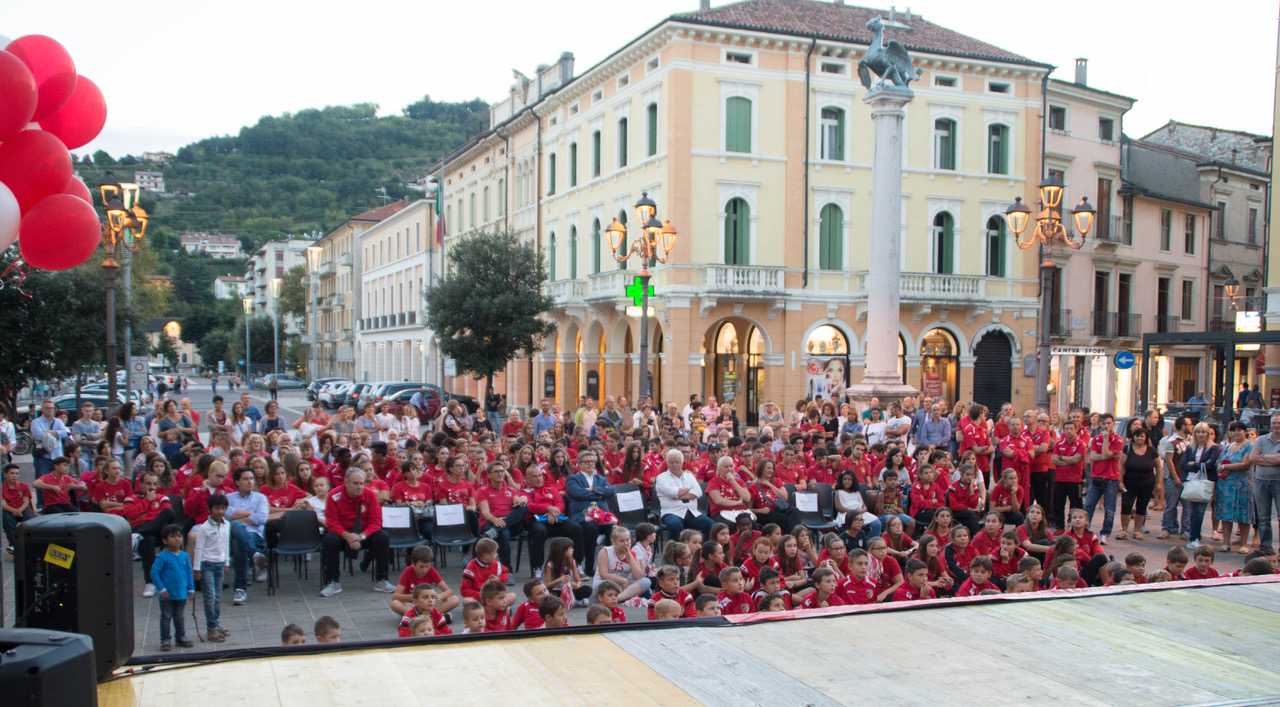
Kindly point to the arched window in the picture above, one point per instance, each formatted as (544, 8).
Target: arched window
(623, 248)
(573, 252)
(998, 149)
(551, 257)
(595, 246)
(737, 124)
(831, 239)
(736, 234)
(943, 243)
(651, 113)
(996, 238)
(944, 143)
(831, 134)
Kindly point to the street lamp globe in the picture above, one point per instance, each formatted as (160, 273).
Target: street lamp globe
(616, 232)
(645, 209)
(1084, 215)
(1018, 215)
(667, 237)
(247, 302)
(1051, 192)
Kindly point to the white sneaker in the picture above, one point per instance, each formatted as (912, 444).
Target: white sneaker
(260, 562)
(149, 591)
(384, 586)
(239, 598)
(134, 541)
(1102, 539)
(260, 577)
(1193, 545)
(331, 588)
(537, 574)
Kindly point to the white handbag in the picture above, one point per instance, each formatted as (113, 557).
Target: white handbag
(1197, 488)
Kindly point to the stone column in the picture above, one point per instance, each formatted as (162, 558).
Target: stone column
(880, 377)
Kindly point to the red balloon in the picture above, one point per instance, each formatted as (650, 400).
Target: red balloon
(81, 118)
(59, 233)
(34, 164)
(77, 187)
(18, 95)
(54, 71)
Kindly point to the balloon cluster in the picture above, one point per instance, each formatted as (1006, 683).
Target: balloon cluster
(46, 109)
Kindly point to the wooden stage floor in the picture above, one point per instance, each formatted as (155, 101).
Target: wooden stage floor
(1211, 644)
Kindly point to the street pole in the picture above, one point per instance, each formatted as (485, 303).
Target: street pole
(644, 388)
(248, 307)
(109, 267)
(1042, 348)
(275, 347)
(128, 323)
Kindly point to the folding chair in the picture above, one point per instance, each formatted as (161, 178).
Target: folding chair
(451, 530)
(299, 535)
(401, 527)
(813, 519)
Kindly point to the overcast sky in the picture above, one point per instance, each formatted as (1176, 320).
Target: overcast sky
(175, 72)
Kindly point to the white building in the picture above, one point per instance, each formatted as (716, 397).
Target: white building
(157, 157)
(212, 244)
(149, 181)
(396, 265)
(230, 287)
(272, 261)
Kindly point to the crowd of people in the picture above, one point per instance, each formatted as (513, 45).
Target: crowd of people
(820, 507)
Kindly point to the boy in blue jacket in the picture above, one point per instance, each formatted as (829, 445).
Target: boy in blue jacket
(174, 582)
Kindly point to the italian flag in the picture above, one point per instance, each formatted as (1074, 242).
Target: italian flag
(440, 225)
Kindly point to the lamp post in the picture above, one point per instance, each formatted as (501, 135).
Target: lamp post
(653, 246)
(247, 302)
(1049, 232)
(313, 265)
(126, 224)
(275, 324)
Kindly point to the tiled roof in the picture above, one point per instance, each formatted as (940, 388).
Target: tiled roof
(382, 212)
(845, 23)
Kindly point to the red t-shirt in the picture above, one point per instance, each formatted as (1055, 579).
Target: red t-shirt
(476, 574)
(617, 615)
(736, 604)
(437, 620)
(1039, 462)
(842, 566)
(889, 569)
(404, 493)
(1023, 536)
(1020, 462)
(283, 497)
(985, 544)
(53, 498)
(527, 615)
(447, 491)
(1002, 496)
(854, 591)
(681, 597)
(409, 579)
(1107, 468)
(909, 593)
(969, 589)
(974, 434)
(751, 570)
(1087, 546)
(960, 498)
(788, 473)
(1001, 568)
(925, 497)
(117, 492)
(499, 622)
(811, 601)
(1072, 472)
(726, 489)
(500, 499)
(13, 496)
(1193, 572)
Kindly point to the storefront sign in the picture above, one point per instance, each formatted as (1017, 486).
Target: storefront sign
(933, 384)
(1248, 321)
(1077, 351)
(827, 377)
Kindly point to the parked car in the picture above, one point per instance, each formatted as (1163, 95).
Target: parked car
(333, 393)
(353, 395)
(313, 389)
(284, 381)
(433, 395)
(68, 402)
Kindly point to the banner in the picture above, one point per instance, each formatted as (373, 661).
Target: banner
(827, 378)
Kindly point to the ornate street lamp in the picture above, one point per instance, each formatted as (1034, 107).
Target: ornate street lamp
(125, 225)
(654, 246)
(1048, 232)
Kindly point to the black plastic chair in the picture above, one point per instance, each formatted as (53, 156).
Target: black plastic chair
(519, 539)
(655, 517)
(815, 520)
(179, 514)
(405, 538)
(446, 536)
(704, 503)
(628, 519)
(299, 535)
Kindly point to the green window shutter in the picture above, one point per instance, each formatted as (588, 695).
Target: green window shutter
(839, 141)
(653, 129)
(595, 246)
(622, 143)
(623, 247)
(551, 177)
(830, 246)
(738, 125)
(573, 253)
(551, 259)
(948, 246)
(595, 154)
(736, 235)
(573, 165)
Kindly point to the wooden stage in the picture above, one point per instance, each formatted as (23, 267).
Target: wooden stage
(1200, 643)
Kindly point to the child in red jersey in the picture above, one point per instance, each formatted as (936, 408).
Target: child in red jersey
(493, 597)
(925, 496)
(884, 570)
(917, 585)
(424, 607)
(929, 552)
(527, 613)
(835, 555)
(987, 540)
(420, 571)
(858, 588)
(1031, 568)
(734, 599)
(410, 489)
(473, 617)
(1005, 560)
(980, 571)
(761, 557)
(743, 541)
(1068, 578)
(824, 582)
(1006, 497)
(669, 589)
(607, 594)
(1136, 563)
(965, 498)
(553, 612)
(1204, 565)
(770, 584)
(1176, 563)
(482, 567)
(597, 614)
(707, 605)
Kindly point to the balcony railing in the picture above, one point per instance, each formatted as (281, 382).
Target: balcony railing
(609, 284)
(1166, 323)
(938, 286)
(1112, 230)
(1117, 325)
(1221, 324)
(566, 292)
(1060, 323)
(743, 279)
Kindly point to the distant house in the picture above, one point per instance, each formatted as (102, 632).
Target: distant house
(230, 287)
(212, 244)
(188, 355)
(157, 157)
(149, 181)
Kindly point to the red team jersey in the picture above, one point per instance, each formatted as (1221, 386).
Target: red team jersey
(736, 604)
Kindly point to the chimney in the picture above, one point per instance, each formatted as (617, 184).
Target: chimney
(566, 68)
(1082, 72)
(704, 4)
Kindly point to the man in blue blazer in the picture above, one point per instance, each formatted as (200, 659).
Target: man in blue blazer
(583, 489)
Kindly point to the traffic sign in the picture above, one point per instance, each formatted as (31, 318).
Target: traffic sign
(139, 367)
(1125, 360)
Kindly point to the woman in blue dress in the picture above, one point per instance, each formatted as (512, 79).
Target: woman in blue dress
(1232, 498)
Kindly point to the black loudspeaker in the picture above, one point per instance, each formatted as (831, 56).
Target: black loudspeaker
(39, 667)
(73, 572)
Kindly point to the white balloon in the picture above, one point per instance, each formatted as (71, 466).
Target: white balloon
(10, 217)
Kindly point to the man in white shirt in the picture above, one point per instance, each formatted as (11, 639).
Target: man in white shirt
(678, 493)
(897, 426)
(248, 511)
(48, 434)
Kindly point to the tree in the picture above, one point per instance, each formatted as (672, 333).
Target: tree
(165, 349)
(36, 316)
(102, 159)
(490, 306)
(293, 294)
(215, 346)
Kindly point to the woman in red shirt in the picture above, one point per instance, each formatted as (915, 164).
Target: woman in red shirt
(959, 553)
(987, 541)
(410, 490)
(282, 496)
(1089, 556)
(1004, 561)
(1034, 535)
(883, 570)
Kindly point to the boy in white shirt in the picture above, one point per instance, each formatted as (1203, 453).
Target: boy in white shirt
(212, 555)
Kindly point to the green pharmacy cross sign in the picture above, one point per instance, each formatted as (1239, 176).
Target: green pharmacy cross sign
(636, 291)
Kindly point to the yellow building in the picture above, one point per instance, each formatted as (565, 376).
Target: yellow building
(746, 124)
